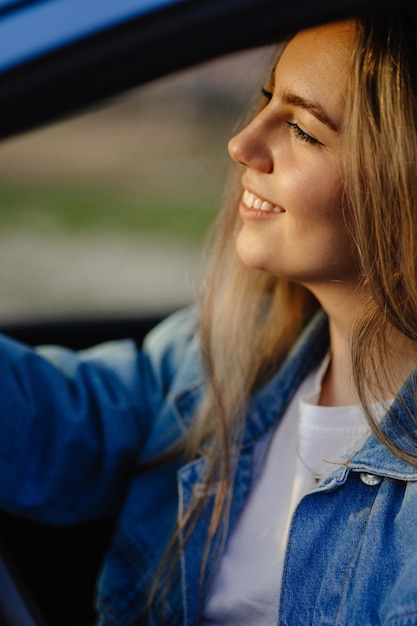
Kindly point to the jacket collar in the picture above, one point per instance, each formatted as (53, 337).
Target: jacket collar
(270, 401)
(400, 424)
(375, 458)
(268, 405)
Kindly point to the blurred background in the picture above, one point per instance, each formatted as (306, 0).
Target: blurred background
(105, 214)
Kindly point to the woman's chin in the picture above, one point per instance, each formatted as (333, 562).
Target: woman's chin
(249, 253)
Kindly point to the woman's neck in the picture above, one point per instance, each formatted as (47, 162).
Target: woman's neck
(344, 306)
(338, 387)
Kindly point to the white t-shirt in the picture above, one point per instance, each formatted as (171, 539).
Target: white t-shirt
(310, 442)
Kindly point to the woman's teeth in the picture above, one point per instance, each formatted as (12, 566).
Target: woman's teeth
(253, 202)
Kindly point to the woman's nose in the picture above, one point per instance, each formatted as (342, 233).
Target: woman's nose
(250, 147)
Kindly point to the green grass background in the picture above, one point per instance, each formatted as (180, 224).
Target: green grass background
(64, 207)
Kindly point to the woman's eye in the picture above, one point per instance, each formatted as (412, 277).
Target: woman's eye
(267, 94)
(302, 135)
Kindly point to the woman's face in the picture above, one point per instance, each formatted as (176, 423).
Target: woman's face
(291, 205)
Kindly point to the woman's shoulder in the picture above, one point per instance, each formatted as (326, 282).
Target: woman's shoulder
(175, 330)
(173, 341)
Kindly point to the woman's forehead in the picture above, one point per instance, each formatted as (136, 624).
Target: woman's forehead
(314, 65)
(327, 47)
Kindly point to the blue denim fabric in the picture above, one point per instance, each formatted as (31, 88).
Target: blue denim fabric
(76, 426)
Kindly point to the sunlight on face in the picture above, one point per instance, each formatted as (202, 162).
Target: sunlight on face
(291, 209)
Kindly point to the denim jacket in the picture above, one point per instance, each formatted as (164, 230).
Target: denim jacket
(75, 428)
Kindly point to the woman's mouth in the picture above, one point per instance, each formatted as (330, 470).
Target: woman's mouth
(251, 201)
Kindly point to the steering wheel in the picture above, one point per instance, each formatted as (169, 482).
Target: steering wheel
(16, 606)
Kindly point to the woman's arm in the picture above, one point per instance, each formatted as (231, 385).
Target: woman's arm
(72, 424)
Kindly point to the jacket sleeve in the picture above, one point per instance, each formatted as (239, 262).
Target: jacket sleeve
(72, 424)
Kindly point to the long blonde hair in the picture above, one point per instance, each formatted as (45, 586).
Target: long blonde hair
(249, 319)
(380, 175)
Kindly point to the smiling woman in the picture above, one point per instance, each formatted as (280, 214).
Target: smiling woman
(260, 451)
(295, 221)
(293, 156)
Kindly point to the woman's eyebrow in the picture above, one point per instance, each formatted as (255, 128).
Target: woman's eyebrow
(314, 108)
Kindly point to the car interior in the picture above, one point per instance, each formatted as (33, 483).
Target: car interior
(41, 581)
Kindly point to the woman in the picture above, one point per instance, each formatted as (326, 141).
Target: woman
(236, 448)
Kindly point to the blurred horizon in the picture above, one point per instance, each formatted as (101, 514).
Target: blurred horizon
(105, 213)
